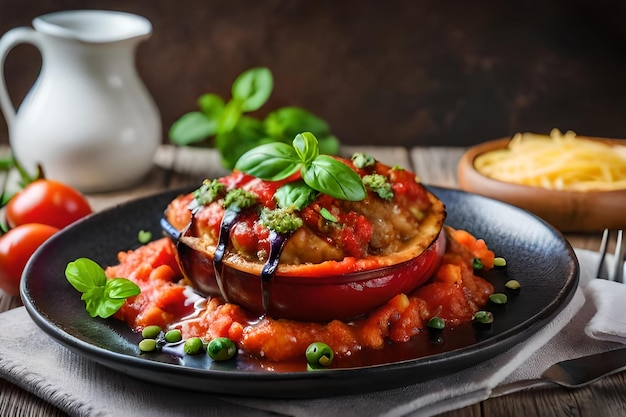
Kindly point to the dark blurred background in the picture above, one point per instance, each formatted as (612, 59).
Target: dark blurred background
(405, 72)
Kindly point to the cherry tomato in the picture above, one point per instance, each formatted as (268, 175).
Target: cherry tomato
(16, 247)
(47, 202)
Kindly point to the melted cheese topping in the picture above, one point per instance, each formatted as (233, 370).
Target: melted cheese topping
(557, 162)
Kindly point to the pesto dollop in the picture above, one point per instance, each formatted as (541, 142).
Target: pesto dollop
(239, 199)
(281, 220)
(209, 191)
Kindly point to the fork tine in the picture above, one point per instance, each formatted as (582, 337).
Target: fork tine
(618, 264)
(604, 244)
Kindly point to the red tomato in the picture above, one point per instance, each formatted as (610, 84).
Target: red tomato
(47, 202)
(16, 247)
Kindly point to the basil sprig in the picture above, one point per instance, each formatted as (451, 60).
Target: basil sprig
(103, 297)
(295, 194)
(277, 161)
(228, 127)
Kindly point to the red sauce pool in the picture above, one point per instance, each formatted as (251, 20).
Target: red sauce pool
(394, 332)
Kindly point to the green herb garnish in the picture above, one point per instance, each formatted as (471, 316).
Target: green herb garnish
(277, 161)
(326, 214)
(208, 192)
(363, 160)
(103, 297)
(477, 263)
(281, 220)
(239, 199)
(232, 131)
(379, 184)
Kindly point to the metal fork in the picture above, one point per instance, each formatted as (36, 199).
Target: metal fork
(617, 268)
(579, 372)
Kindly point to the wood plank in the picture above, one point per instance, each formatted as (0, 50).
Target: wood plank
(603, 398)
(190, 161)
(436, 165)
(16, 402)
(469, 411)
(389, 155)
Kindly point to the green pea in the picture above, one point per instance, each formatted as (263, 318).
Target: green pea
(147, 345)
(151, 332)
(483, 317)
(221, 349)
(173, 336)
(436, 323)
(513, 285)
(144, 236)
(499, 262)
(498, 298)
(319, 356)
(193, 346)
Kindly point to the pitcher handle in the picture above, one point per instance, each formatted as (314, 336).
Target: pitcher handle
(9, 40)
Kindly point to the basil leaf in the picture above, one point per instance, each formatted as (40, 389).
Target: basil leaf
(327, 175)
(109, 306)
(247, 134)
(120, 288)
(329, 145)
(305, 145)
(230, 116)
(211, 105)
(85, 275)
(286, 122)
(295, 194)
(102, 296)
(253, 88)
(6, 164)
(192, 127)
(93, 299)
(6, 197)
(271, 162)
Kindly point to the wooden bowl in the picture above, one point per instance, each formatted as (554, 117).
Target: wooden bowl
(568, 211)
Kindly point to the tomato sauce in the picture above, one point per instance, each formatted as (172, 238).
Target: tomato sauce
(394, 331)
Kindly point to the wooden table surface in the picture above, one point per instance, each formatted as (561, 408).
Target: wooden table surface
(435, 166)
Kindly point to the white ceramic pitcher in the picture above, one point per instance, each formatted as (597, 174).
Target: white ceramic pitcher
(88, 119)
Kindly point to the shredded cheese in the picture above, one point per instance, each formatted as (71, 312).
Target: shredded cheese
(558, 161)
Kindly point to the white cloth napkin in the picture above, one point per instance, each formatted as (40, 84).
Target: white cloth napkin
(32, 360)
(609, 322)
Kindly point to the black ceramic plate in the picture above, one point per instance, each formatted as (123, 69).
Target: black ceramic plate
(537, 255)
